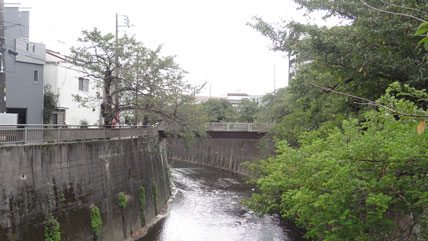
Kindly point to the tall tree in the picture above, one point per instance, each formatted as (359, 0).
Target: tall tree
(362, 57)
(219, 110)
(246, 111)
(144, 83)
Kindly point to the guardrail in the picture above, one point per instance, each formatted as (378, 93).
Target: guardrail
(25, 134)
(239, 127)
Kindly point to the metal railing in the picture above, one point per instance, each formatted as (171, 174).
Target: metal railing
(25, 134)
(239, 127)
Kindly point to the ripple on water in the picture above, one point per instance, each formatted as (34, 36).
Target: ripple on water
(207, 207)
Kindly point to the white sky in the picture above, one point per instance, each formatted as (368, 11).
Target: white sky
(210, 38)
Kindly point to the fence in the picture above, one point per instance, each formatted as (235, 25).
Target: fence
(239, 127)
(24, 134)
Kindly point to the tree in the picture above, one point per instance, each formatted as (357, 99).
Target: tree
(348, 167)
(246, 111)
(219, 110)
(362, 58)
(50, 102)
(135, 80)
(358, 182)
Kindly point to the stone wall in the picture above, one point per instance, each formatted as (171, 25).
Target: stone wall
(64, 180)
(224, 153)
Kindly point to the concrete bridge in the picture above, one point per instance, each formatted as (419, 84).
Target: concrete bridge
(231, 130)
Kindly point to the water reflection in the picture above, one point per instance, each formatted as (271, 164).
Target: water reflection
(207, 207)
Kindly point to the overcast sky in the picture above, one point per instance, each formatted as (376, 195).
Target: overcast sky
(211, 39)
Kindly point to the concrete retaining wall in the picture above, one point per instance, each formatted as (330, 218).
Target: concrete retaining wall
(64, 180)
(221, 153)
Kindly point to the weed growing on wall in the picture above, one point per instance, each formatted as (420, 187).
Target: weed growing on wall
(142, 199)
(96, 221)
(122, 200)
(52, 232)
(155, 195)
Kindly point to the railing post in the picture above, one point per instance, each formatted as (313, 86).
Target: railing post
(227, 126)
(25, 134)
(59, 134)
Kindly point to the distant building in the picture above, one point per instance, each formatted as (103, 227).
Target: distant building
(24, 68)
(65, 80)
(256, 98)
(236, 98)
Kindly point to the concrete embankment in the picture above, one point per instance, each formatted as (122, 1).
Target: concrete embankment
(65, 180)
(224, 153)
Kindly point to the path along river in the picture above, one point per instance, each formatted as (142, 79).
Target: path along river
(207, 208)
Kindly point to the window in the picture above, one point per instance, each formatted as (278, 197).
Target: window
(83, 84)
(35, 76)
(34, 48)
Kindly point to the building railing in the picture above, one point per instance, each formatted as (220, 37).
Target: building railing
(238, 127)
(26, 134)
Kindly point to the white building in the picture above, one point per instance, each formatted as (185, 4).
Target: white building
(66, 80)
(236, 98)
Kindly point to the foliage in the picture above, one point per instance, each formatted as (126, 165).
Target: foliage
(155, 193)
(96, 222)
(122, 200)
(362, 57)
(52, 229)
(355, 182)
(423, 29)
(219, 110)
(50, 103)
(142, 199)
(246, 111)
(135, 80)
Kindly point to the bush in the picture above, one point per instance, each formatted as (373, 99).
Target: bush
(52, 232)
(142, 199)
(122, 200)
(96, 221)
(155, 196)
(353, 183)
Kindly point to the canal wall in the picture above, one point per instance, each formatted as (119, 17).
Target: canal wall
(67, 181)
(224, 153)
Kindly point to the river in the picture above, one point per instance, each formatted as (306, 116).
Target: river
(207, 207)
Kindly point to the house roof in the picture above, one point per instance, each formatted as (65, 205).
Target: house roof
(237, 94)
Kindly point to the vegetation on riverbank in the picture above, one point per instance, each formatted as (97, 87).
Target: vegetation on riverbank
(348, 167)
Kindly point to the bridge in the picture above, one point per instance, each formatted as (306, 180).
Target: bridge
(232, 130)
(36, 134)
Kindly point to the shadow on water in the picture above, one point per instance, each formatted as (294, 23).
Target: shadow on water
(207, 207)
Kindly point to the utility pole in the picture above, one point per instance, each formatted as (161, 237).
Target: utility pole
(2, 60)
(116, 84)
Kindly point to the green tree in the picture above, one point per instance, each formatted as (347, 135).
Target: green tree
(357, 182)
(362, 57)
(50, 102)
(219, 110)
(136, 81)
(246, 111)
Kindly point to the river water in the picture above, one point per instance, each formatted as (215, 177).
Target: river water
(207, 207)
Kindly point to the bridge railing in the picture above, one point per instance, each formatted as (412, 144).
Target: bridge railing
(239, 127)
(25, 134)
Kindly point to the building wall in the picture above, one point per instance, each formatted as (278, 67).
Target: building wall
(21, 91)
(64, 180)
(64, 81)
